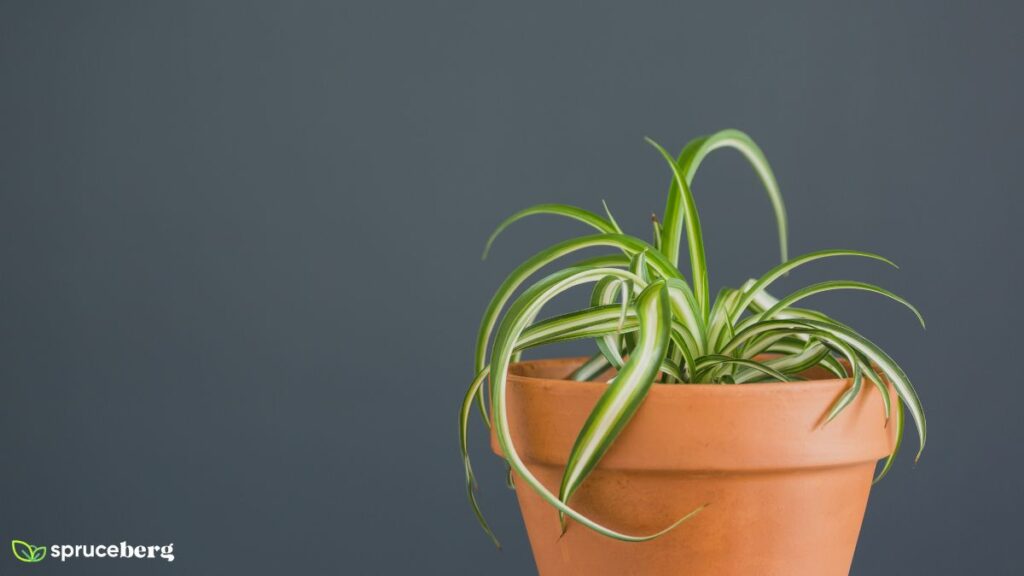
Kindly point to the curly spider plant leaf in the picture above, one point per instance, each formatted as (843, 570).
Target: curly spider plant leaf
(782, 269)
(592, 322)
(580, 214)
(581, 324)
(508, 333)
(626, 244)
(682, 211)
(827, 362)
(828, 286)
(846, 397)
(844, 337)
(898, 432)
(604, 293)
(760, 304)
(689, 161)
(625, 393)
(890, 368)
(882, 388)
(471, 486)
(527, 269)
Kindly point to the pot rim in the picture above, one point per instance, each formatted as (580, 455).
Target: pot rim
(699, 427)
(516, 368)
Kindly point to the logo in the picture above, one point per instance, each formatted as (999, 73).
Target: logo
(26, 552)
(31, 554)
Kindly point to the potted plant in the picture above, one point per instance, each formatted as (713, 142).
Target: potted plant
(730, 436)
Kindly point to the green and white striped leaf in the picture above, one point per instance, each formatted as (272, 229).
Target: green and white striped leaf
(522, 273)
(604, 293)
(898, 421)
(585, 216)
(624, 395)
(508, 333)
(831, 285)
(889, 367)
(687, 312)
(720, 329)
(784, 268)
(471, 487)
(850, 394)
(627, 244)
(591, 322)
(685, 345)
(682, 209)
(882, 388)
(689, 161)
(840, 333)
(615, 225)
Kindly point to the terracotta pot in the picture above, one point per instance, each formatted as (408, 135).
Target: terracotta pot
(785, 494)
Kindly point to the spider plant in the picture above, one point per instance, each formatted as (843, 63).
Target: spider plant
(653, 324)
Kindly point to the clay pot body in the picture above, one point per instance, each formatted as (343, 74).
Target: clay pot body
(785, 494)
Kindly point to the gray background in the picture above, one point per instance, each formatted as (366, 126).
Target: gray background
(239, 248)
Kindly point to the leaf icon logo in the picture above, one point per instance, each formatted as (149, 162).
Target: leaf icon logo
(26, 552)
